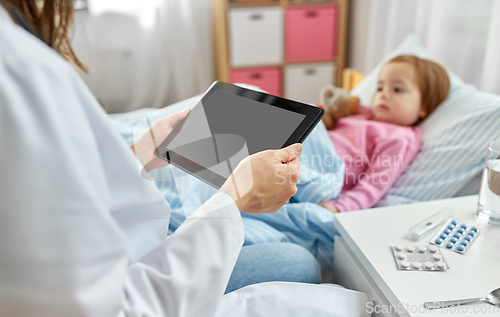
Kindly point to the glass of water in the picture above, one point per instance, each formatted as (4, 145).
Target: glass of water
(488, 208)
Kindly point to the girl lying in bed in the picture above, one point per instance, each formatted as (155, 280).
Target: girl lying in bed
(362, 135)
(377, 143)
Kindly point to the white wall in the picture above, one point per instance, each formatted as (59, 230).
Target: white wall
(155, 55)
(358, 33)
(462, 35)
(132, 67)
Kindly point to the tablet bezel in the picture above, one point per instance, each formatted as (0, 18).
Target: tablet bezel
(312, 117)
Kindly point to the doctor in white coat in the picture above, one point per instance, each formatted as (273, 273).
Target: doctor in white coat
(83, 234)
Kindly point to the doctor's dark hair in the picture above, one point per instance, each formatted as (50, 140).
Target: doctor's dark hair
(431, 80)
(51, 20)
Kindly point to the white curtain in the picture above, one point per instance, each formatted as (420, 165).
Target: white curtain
(144, 53)
(463, 34)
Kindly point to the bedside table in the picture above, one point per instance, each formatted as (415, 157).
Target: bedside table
(363, 260)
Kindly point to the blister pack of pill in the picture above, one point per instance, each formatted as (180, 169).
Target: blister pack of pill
(456, 236)
(419, 258)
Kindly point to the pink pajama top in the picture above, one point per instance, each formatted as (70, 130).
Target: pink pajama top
(375, 155)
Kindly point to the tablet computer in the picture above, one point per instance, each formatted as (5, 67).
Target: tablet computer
(230, 123)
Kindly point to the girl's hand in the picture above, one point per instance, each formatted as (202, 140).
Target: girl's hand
(328, 206)
(145, 146)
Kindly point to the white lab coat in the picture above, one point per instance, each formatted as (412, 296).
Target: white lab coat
(82, 234)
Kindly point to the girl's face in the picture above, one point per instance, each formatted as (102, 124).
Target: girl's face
(397, 99)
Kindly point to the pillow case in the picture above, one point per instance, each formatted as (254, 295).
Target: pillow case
(454, 138)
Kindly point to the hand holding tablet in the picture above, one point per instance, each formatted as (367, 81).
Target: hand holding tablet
(229, 124)
(261, 183)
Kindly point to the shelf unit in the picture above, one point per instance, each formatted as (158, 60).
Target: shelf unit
(277, 38)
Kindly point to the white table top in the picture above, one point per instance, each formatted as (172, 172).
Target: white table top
(370, 233)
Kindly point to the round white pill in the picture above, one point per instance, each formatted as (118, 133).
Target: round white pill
(416, 265)
(429, 265)
(437, 257)
(422, 249)
(401, 256)
(399, 247)
(441, 265)
(410, 248)
(404, 264)
(433, 249)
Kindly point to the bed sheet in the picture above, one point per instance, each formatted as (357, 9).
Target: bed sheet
(300, 221)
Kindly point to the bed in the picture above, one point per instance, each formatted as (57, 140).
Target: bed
(449, 164)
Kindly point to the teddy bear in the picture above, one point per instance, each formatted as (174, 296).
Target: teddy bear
(338, 103)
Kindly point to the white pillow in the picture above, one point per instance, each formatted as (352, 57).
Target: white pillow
(454, 138)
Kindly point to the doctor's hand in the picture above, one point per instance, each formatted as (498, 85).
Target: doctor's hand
(145, 146)
(262, 183)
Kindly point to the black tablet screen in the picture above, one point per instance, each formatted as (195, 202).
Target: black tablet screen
(226, 127)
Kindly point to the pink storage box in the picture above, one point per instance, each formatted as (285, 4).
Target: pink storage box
(310, 33)
(267, 78)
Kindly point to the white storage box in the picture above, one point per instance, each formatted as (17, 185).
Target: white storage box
(304, 81)
(256, 36)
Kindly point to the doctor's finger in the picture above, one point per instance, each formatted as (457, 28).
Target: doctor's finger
(162, 128)
(293, 168)
(175, 118)
(293, 175)
(289, 153)
(169, 122)
(291, 192)
(294, 164)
